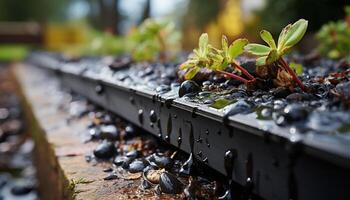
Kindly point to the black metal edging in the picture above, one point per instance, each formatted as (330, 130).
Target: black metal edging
(280, 168)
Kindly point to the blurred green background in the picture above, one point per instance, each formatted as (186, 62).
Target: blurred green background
(67, 24)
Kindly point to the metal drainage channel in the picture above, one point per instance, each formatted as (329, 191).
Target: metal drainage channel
(273, 163)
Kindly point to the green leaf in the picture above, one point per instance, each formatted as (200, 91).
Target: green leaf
(224, 43)
(267, 37)
(221, 103)
(261, 61)
(272, 57)
(293, 35)
(236, 48)
(203, 44)
(282, 36)
(188, 64)
(257, 49)
(217, 62)
(298, 68)
(296, 32)
(192, 72)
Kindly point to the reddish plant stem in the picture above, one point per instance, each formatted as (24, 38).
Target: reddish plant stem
(234, 76)
(292, 73)
(244, 71)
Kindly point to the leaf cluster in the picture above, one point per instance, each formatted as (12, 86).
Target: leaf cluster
(334, 39)
(289, 36)
(207, 56)
(152, 38)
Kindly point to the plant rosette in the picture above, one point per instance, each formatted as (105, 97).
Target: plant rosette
(270, 63)
(217, 60)
(271, 55)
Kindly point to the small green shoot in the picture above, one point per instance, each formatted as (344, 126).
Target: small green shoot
(272, 53)
(289, 37)
(206, 56)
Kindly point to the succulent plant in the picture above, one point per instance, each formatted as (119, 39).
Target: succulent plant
(207, 56)
(273, 54)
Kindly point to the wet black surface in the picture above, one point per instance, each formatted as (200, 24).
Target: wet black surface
(160, 167)
(326, 80)
(323, 110)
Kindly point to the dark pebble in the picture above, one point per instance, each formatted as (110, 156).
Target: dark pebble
(133, 154)
(169, 184)
(105, 150)
(295, 112)
(109, 132)
(119, 160)
(280, 92)
(160, 161)
(21, 189)
(188, 87)
(111, 176)
(109, 169)
(137, 166)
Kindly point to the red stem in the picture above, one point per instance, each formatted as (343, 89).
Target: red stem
(243, 70)
(292, 73)
(234, 76)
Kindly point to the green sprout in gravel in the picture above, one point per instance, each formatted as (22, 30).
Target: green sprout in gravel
(273, 54)
(217, 60)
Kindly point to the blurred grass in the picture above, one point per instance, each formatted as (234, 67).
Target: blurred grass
(12, 52)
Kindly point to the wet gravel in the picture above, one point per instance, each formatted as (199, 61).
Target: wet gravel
(136, 155)
(17, 172)
(328, 83)
(324, 109)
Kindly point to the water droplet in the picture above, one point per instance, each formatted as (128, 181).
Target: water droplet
(189, 166)
(160, 134)
(99, 89)
(179, 138)
(152, 116)
(207, 142)
(249, 185)
(229, 158)
(140, 116)
(169, 128)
